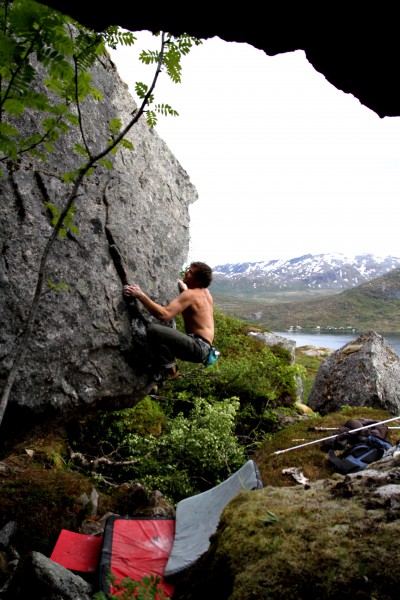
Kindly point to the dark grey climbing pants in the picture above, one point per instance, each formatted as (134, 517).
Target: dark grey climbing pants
(167, 344)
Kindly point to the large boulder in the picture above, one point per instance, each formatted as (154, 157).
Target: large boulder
(364, 372)
(83, 352)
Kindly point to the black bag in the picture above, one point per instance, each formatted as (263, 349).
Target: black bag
(357, 457)
(345, 435)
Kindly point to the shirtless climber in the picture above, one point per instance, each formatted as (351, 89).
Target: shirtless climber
(195, 303)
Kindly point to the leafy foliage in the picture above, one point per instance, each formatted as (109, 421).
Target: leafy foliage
(179, 456)
(261, 377)
(32, 34)
(148, 588)
(67, 222)
(114, 36)
(205, 424)
(173, 51)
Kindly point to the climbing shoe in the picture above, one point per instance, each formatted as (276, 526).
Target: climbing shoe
(171, 373)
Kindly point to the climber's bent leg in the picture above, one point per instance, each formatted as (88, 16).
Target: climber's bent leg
(169, 344)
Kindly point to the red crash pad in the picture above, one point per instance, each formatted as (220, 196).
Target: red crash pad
(135, 547)
(76, 551)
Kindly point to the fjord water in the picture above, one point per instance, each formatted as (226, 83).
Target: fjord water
(335, 340)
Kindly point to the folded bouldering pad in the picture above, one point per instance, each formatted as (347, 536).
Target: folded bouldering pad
(197, 517)
(76, 551)
(134, 547)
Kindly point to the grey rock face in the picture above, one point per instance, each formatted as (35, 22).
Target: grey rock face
(272, 339)
(364, 372)
(82, 353)
(40, 578)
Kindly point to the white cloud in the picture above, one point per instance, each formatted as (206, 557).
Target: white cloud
(284, 163)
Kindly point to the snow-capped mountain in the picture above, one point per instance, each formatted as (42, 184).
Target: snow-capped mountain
(321, 271)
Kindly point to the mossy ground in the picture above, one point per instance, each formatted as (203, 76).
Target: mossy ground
(290, 542)
(40, 493)
(280, 542)
(310, 459)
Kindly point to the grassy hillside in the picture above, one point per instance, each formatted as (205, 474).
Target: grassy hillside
(245, 290)
(372, 305)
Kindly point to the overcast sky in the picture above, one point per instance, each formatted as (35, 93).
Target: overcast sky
(284, 163)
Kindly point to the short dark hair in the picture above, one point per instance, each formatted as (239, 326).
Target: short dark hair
(203, 273)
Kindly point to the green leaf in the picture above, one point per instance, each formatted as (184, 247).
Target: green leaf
(172, 62)
(107, 163)
(127, 144)
(8, 147)
(73, 119)
(70, 177)
(48, 146)
(67, 224)
(8, 129)
(141, 89)
(151, 118)
(113, 150)
(59, 286)
(14, 106)
(81, 150)
(96, 94)
(165, 109)
(114, 35)
(115, 126)
(149, 57)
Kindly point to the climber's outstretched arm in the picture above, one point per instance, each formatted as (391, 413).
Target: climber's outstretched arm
(163, 313)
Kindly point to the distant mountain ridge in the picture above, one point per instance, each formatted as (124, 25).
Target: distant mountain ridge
(313, 272)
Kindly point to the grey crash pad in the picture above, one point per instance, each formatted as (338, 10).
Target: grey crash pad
(197, 517)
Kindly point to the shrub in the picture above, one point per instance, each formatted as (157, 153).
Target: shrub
(191, 454)
(209, 420)
(261, 377)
